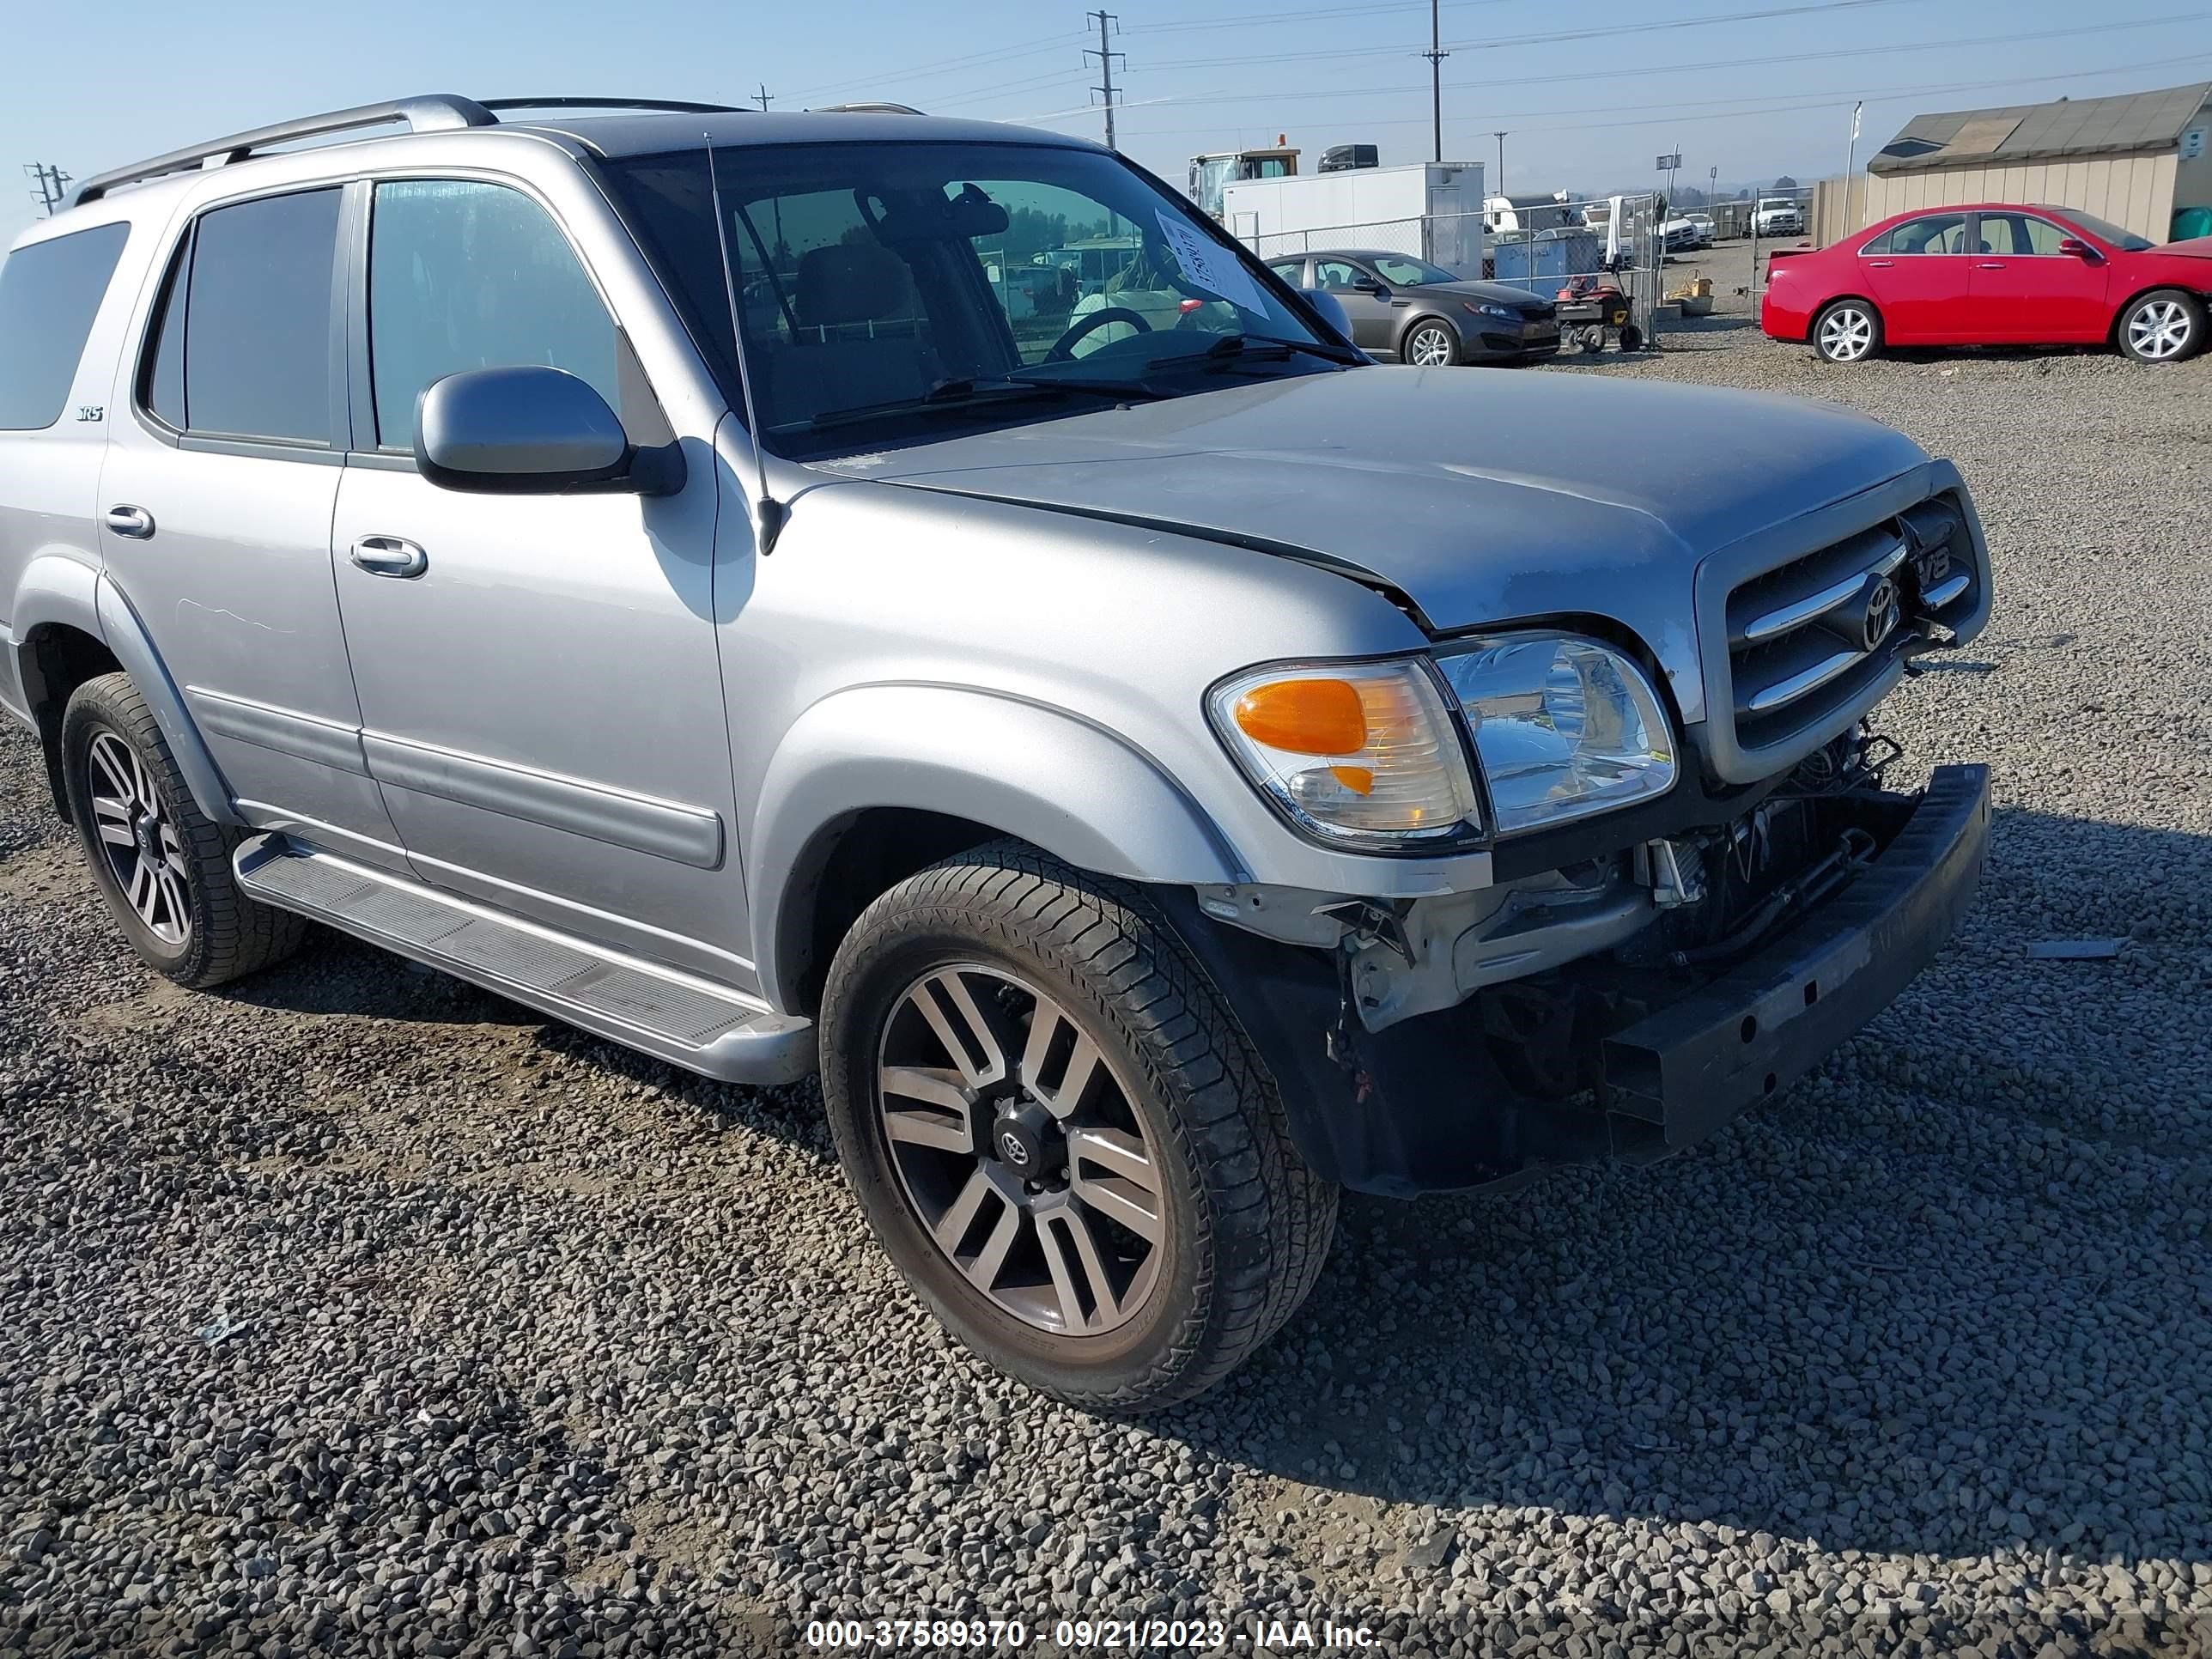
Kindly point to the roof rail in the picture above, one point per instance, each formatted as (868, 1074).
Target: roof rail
(667, 104)
(865, 109)
(433, 113)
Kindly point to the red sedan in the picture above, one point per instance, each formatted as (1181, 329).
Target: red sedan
(1992, 275)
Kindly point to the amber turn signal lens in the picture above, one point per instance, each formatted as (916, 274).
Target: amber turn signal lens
(1304, 717)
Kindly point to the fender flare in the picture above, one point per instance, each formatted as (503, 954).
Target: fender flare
(1077, 790)
(57, 592)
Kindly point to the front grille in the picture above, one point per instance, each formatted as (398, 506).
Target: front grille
(1808, 639)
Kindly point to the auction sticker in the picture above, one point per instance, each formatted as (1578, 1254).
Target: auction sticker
(1206, 265)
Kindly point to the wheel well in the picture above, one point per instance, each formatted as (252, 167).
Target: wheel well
(1822, 310)
(2112, 333)
(1419, 318)
(845, 869)
(55, 660)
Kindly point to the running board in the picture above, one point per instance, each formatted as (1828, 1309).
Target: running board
(671, 1016)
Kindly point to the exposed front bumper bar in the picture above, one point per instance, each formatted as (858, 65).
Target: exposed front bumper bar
(1425, 1107)
(1693, 1066)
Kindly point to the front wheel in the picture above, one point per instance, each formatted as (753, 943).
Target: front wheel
(1060, 1135)
(2163, 327)
(1431, 345)
(1848, 331)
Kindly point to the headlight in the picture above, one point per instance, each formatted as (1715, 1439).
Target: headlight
(1563, 727)
(1485, 309)
(1361, 753)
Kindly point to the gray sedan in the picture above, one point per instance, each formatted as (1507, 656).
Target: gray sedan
(1403, 308)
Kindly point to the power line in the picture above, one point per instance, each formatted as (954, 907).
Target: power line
(1281, 95)
(1034, 48)
(48, 181)
(1106, 56)
(1553, 37)
(1670, 113)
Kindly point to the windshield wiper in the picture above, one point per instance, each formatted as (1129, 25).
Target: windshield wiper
(950, 397)
(1233, 345)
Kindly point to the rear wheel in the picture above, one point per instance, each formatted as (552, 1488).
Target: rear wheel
(1060, 1135)
(2163, 327)
(1431, 345)
(1848, 331)
(162, 866)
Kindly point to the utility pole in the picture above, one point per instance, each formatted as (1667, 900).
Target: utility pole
(1501, 138)
(1851, 163)
(761, 97)
(1436, 54)
(1105, 69)
(49, 184)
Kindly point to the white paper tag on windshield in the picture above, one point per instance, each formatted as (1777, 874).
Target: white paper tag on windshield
(1207, 266)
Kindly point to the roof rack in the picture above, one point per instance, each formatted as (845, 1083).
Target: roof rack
(436, 111)
(865, 109)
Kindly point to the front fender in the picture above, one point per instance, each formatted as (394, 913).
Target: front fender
(1074, 789)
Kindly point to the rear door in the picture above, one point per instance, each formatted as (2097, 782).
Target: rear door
(218, 495)
(1374, 324)
(1919, 273)
(2025, 290)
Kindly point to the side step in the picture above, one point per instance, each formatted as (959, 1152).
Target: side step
(673, 1017)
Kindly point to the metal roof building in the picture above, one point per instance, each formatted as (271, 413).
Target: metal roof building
(2135, 159)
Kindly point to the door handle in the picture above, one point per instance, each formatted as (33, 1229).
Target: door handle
(136, 522)
(1880, 265)
(389, 556)
(1990, 264)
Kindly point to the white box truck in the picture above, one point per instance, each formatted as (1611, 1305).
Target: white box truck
(1431, 209)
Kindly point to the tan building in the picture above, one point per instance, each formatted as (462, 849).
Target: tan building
(2137, 160)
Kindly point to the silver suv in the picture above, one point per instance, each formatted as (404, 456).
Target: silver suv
(1160, 767)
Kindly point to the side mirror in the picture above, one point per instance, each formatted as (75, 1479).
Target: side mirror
(1373, 290)
(1331, 309)
(528, 430)
(2078, 248)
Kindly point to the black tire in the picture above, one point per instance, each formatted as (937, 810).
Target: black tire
(2166, 326)
(1429, 334)
(222, 935)
(1847, 331)
(1244, 1224)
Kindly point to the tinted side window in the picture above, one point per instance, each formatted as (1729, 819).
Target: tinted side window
(466, 276)
(49, 294)
(258, 319)
(1942, 233)
(164, 369)
(2020, 235)
(1336, 275)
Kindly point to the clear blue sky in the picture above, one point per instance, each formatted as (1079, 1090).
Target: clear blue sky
(132, 77)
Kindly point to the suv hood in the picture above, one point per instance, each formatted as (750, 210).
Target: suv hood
(1484, 496)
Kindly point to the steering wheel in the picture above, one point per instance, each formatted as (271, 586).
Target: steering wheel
(1084, 326)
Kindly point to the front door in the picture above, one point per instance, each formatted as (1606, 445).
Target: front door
(1374, 324)
(541, 698)
(216, 500)
(1918, 273)
(2025, 289)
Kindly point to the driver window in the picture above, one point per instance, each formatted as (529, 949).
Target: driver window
(2018, 236)
(1339, 275)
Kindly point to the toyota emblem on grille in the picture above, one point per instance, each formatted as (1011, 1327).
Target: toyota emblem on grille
(1882, 612)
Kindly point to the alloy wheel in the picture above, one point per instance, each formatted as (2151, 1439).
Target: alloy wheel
(1430, 348)
(1846, 335)
(1018, 1149)
(2159, 329)
(138, 839)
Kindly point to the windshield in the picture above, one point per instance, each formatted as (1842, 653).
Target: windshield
(1401, 271)
(885, 289)
(2126, 240)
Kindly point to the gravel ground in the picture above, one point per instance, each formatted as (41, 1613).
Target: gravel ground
(353, 1311)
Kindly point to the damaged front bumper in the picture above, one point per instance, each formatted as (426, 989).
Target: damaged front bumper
(1426, 1105)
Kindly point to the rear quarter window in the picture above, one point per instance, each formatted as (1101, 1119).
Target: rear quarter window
(50, 292)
